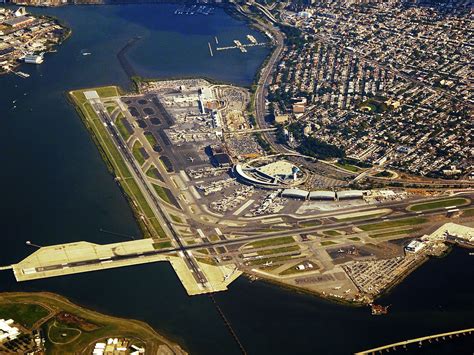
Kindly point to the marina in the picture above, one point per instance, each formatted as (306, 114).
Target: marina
(195, 10)
(252, 42)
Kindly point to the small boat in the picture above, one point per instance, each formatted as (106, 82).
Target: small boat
(378, 310)
(23, 75)
(86, 53)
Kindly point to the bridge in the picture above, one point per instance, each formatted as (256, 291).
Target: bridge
(251, 131)
(404, 343)
(265, 11)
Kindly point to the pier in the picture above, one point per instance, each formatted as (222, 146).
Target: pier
(210, 49)
(403, 344)
(241, 46)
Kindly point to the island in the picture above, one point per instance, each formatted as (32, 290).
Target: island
(40, 322)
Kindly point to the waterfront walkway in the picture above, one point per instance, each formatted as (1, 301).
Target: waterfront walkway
(394, 346)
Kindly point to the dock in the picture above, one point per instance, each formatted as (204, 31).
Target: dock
(210, 49)
(239, 45)
(242, 47)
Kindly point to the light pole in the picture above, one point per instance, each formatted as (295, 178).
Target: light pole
(28, 242)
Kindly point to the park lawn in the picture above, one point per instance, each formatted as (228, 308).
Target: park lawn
(140, 199)
(121, 127)
(392, 224)
(206, 260)
(90, 111)
(151, 138)
(61, 333)
(161, 193)
(288, 249)
(399, 232)
(157, 227)
(111, 109)
(349, 167)
(327, 242)
(384, 174)
(137, 154)
(26, 314)
(175, 218)
(356, 218)
(332, 233)
(468, 213)
(161, 245)
(271, 242)
(107, 325)
(214, 238)
(107, 91)
(151, 172)
(312, 223)
(295, 270)
(271, 259)
(154, 173)
(438, 204)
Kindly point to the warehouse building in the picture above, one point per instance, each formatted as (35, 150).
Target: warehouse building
(350, 194)
(322, 195)
(295, 193)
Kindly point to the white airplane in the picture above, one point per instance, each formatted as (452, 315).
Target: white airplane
(191, 159)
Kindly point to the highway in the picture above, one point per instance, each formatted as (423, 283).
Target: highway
(264, 79)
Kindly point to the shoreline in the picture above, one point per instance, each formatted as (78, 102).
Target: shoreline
(146, 233)
(56, 303)
(355, 304)
(50, 49)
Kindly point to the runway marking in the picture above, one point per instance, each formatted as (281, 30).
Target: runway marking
(184, 175)
(200, 232)
(243, 207)
(194, 192)
(218, 231)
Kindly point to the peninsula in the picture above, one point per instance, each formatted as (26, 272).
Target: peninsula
(39, 322)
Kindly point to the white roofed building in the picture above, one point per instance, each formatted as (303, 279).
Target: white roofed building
(295, 193)
(322, 195)
(7, 332)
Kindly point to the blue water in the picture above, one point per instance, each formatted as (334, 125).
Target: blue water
(56, 188)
